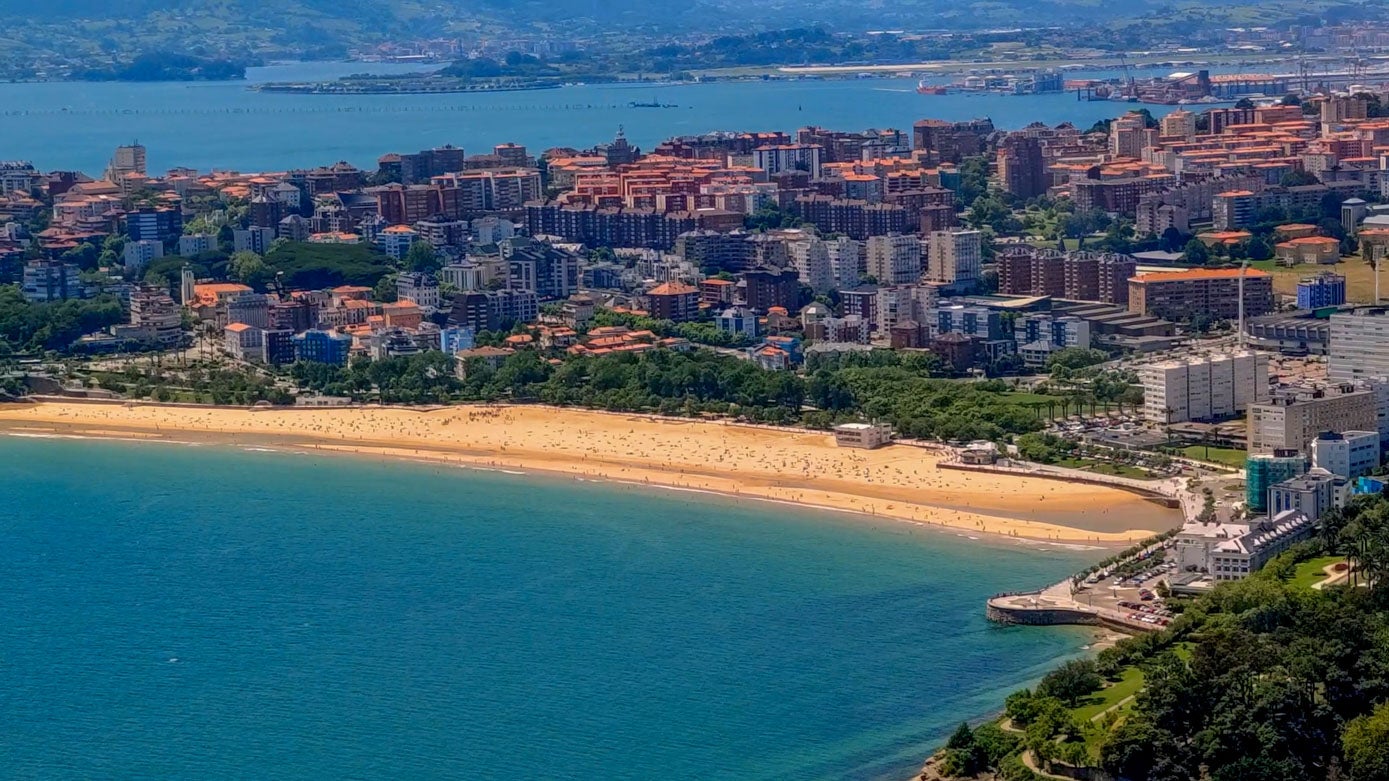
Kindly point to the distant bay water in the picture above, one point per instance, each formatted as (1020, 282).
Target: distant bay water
(67, 125)
(188, 613)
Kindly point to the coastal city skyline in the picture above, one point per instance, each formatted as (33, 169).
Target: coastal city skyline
(630, 394)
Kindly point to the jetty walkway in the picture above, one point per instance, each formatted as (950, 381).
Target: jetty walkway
(1063, 603)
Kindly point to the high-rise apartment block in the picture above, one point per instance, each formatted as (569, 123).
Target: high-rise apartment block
(955, 257)
(1205, 388)
(950, 142)
(811, 257)
(1021, 166)
(894, 260)
(1359, 345)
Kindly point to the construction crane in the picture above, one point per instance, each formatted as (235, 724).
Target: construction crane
(1130, 91)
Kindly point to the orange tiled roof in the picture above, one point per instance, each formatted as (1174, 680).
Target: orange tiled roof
(1200, 273)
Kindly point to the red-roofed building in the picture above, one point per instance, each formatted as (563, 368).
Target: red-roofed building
(675, 301)
(716, 292)
(1308, 249)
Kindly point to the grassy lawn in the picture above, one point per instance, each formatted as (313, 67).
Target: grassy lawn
(1310, 572)
(1105, 468)
(1360, 280)
(1024, 397)
(1217, 455)
(1108, 697)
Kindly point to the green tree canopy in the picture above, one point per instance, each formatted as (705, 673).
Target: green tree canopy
(1366, 745)
(248, 268)
(1196, 252)
(422, 257)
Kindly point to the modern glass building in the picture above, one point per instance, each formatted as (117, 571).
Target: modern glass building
(322, 347)
(1265, 471)
(1325, 289)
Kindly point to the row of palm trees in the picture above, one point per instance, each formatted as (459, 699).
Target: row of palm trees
(1078, 402)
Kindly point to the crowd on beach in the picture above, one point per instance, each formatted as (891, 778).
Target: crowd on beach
(802, 467)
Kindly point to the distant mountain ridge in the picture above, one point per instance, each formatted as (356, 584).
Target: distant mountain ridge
(395, 15)
(69, 37)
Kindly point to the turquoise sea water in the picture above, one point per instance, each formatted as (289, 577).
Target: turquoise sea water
(176, 612)
(224, 125)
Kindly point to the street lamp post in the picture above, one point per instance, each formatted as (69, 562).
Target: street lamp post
(1243, 267)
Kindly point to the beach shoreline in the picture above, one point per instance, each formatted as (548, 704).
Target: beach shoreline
(800, 468)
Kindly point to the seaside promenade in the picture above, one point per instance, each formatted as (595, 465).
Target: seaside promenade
(1061, 603)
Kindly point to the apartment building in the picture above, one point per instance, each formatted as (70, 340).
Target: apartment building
(1022, 166)
(675, 301)
(50, 280)
(396, 240)
(1322, 290)
(1179, 295)
(895, 259)
(1349, 454)
(904, 303)
(775, 158)
(419, 288)
(1293, 417)
(1027, 271)
(1206, 388)
(811, 257)
(955, 258)
(1359, 345)
(950, 142)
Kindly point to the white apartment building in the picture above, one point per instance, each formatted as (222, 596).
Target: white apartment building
(776, 158)
(900, 303)
(253, 239)
(1293, 417)
(1349, 454)
(492, 229)
(396, 240)
(420, 288)
(846, 259)
(1204, 388)
(139, 254)
(245, 342)
(811, 257)
(955, 257)
(849, 328)
(894, 259)
(1358, 345)
(191, 244)
(464, 276)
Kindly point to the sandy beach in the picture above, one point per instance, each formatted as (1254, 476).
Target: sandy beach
(896, 482)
